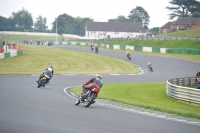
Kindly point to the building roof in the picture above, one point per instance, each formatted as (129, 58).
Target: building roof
(115, 27)
(167, 25)
(187, 20)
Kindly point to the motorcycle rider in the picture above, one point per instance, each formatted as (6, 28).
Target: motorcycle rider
(198, 79)
(149, 64)
(92, 46)
(127, 52)
(49, 72)
(95, 82)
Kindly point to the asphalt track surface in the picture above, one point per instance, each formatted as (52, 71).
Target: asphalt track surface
(24, 108)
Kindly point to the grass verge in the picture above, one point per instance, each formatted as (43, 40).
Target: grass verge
(146, 95)
(191, 44)
(36, 58)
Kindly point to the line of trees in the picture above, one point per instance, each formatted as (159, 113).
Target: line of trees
(66, 24)
(23, 21)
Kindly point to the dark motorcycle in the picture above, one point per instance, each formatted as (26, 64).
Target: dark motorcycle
(43, 80)
(129, 56)
(151, 68)
(96, 49)
(88, 98)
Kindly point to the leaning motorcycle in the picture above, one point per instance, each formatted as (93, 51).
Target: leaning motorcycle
(129, 56)
(88, 98)
(43, 80)
(151, 68)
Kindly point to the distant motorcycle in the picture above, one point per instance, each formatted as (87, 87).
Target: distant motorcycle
(44, 79)
(129, 56)
(88, 98)
(92, 47)
(151, 68)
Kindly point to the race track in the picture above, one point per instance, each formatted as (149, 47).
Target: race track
(26, 109)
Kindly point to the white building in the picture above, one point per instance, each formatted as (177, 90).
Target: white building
(101, 30)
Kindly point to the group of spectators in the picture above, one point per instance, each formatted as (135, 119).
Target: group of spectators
(27, 42)
(38, 42)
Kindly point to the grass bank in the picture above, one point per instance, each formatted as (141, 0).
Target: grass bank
(146, 95)
(192, 44)
(182, 33)
(36, 58)
(12, 38)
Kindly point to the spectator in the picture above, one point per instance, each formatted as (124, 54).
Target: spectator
(198, 79)
(3, 43)
(19, 48)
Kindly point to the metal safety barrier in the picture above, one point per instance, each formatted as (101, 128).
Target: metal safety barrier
(176, 88)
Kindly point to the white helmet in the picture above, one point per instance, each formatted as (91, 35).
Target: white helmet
(99, 76)
(49, 69)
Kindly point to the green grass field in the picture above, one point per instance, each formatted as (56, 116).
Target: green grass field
(182, 33)
(36, 58)
(19, 38)
(191, 44)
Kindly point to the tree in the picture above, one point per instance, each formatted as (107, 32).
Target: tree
(139, 15)
(196, 15)
(23, 20)
(183, 8)
(40, 24)
(65, 24)
(6, 24)
(120, 18)
(80, 28)
(154, 30)
(68, 25)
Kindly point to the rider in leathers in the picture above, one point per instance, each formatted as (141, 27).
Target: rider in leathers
(49, 72)
(95, 82)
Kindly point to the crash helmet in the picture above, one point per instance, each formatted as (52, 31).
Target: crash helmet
(99, 76)
(50, 69)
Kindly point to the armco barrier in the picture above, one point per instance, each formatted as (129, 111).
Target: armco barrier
(176, 89)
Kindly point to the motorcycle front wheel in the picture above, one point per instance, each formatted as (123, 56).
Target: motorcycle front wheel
(77, 102)
(90, 99)
(40, 83)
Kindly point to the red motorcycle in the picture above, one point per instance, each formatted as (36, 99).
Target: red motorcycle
(88, 98)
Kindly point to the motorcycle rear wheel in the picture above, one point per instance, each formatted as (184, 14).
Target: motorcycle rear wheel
(90, 99)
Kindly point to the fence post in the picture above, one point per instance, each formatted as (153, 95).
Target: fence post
(190, 81)
(177, 81)
(184, 81)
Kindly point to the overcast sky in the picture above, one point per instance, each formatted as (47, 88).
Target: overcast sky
(99, 10)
